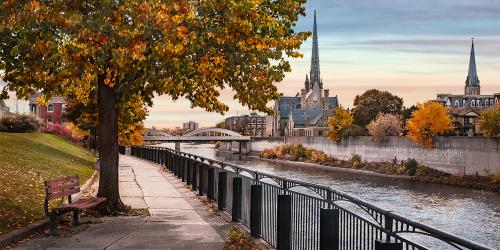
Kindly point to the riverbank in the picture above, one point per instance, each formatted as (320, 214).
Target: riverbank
(409, 169)
(26, 161)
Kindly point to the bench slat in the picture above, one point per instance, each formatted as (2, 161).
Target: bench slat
(62, 192)
(58, 188)
(81, 204)
(62, 181)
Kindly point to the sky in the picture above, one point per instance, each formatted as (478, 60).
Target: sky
(414, 49)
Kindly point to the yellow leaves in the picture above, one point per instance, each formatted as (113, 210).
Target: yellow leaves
(42, 100)
(182, 31)
(35, 5)
(430, 119)
(340, 121)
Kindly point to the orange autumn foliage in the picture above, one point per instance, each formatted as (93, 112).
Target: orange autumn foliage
(429, 120)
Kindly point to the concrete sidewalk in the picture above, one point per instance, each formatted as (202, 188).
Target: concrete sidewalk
(179, 220)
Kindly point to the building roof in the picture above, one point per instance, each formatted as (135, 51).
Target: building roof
(472, 78)
(313, 116)
(286, 103)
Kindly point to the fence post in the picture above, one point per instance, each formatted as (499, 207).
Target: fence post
(211, 184)
(221, 195)
(329, 229)
(194, 178)
(284, 222)
(237, 192)
(387, 245)
(189, 175)
(255, 210)
(201, 178)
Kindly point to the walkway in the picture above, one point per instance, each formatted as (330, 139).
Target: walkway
(179, 220)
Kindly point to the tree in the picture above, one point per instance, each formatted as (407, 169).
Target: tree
(338, 123)
(385, 125)
(368, 105)
(407, 112)
(131, 114)
(221, 124)
(158, 47)
(429, 120)
(241, 126)
(489, 121)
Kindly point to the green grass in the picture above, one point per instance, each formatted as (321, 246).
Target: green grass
(26, 160)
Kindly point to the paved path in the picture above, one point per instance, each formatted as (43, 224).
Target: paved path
(179, 220)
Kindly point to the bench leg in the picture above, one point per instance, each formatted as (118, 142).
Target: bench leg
(76, 220)
(52, 224)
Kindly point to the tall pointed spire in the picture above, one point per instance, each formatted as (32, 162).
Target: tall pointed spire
(472, 78)
(315, 72)
(472, 83)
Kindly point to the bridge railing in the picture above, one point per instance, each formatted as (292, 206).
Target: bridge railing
(291, 214)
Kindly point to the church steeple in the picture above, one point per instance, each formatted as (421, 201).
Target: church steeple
(472, 83)
(315, 72)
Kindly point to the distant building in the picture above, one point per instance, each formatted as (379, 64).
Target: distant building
(52, 113)
(467, 108)
(190, 125)
(251, 125)
(305, 114)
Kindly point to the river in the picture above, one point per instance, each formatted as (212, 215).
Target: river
(472, 214)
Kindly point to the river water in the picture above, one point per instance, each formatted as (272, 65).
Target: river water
(472, 214)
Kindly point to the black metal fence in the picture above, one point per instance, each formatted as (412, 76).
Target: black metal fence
(291, 214)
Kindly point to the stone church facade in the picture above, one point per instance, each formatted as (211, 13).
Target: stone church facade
(466, 109)
(305, 114)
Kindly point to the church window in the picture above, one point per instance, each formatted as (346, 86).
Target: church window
(464, 103)
(478, 103)
(448, 103)
(457, 103)
(472, 103)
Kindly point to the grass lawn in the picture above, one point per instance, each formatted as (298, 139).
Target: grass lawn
(26, 160)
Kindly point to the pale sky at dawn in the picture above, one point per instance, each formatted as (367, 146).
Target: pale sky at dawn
(414, 49)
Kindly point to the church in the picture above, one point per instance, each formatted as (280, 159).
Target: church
(305, 114)
(466, 109)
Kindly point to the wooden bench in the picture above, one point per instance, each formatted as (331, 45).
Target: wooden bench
(58, 189)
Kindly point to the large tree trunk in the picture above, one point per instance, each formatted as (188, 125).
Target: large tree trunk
(108, 146)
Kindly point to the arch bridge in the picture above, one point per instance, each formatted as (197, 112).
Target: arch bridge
(202, 135)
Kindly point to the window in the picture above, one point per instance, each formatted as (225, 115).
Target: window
(49, 119)
(478, 103)
(448, 103)
(50, 108)
(464, 103)
(63, 107)
(486, 103)
(472, 103)
(457, 103)
(492, 102)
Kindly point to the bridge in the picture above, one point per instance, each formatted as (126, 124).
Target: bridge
(202, 135)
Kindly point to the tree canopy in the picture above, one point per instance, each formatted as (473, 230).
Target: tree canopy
(430, 119)
(368, 105)
(489, 121)
(139, 49)
(340, 121)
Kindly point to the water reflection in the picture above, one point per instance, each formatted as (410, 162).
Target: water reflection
(469, 213)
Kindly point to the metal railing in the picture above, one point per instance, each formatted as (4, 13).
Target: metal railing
(291, 214)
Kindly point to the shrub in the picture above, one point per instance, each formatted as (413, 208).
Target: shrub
(411, 166)
(318, 156)
(355, 160)
(61, 131)
(238, 239)
(19, 123)
(495, 178)
(385, 125)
